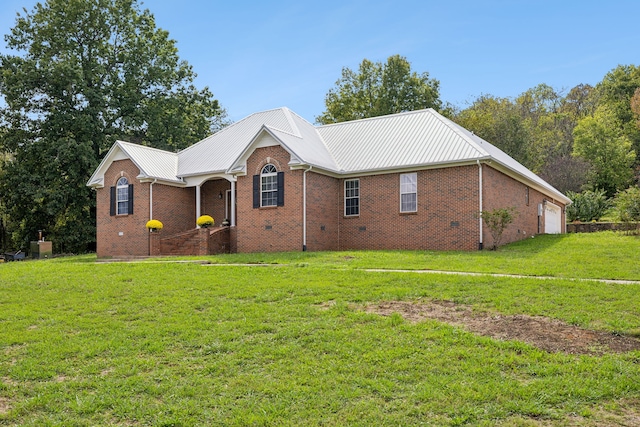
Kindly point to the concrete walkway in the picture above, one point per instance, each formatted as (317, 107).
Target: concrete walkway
(517, 276)
(457, 273)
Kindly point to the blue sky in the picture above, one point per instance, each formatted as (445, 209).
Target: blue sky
(258, 55)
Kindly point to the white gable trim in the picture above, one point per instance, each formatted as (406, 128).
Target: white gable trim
(264, 138)
(118, 152)
(115, 153)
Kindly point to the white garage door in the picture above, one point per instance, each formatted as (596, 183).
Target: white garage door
(552, 219)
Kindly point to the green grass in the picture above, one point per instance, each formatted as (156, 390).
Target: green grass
(605, 255)
(181, 344)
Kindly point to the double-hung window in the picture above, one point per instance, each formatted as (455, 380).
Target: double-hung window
(122, 197)
(409, 192)
(352, 197)
(269, 186)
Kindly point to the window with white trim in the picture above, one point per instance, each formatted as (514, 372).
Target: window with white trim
(409, 192)
(269, 186)
(122, 196)
(352, 197)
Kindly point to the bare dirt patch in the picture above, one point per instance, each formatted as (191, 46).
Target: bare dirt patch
(547, 334)
(4, 406)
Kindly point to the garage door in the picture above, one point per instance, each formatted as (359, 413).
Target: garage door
(552, 219)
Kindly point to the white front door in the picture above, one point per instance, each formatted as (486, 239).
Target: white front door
(552, 219)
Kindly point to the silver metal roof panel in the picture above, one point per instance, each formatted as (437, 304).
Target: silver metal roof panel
(217, 152)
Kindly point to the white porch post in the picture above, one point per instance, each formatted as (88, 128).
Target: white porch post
(197, 203)
(233, 203)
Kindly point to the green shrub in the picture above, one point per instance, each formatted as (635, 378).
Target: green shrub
(627, 204)
(587, 206)
(497, 220)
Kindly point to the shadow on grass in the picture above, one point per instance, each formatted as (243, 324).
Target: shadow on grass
(536, 244)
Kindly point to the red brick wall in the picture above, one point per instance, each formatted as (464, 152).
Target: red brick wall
(210, 202)
(447, 203)
(324, 209)
(270, 229)
(122, 235)
(501, 191)
(446, 217)
(175, 207)
(126, 235)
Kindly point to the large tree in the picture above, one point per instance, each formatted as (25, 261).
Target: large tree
(85, 73)
(378, 89)
(616, 92)
(599, 139)
(500, 121)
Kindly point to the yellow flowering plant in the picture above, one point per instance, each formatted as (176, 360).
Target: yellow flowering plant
(154, 225)
(205, 221)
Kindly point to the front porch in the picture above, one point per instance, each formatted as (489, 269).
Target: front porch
(198, 241)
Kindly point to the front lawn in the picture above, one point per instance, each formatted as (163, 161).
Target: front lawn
(185, 344)
(605, 255)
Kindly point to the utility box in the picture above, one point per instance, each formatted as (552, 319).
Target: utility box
(41, 249)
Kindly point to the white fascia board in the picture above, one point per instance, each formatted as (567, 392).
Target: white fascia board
(196, 180)
(173, 183)
(197, 174)
(385, 171)
(411, 168)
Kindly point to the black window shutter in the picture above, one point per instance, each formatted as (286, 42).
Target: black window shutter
(256, 191)
(130, 202)
(280, 188)
(112, 201)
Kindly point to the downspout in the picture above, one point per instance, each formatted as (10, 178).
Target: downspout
(233, 203)
(151, 198)
(480, 244)
(197, 204)
(151, 209)
(304, 209)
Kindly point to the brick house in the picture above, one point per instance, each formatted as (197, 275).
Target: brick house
(413, 180)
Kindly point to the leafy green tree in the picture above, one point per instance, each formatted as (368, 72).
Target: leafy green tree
(85, 73)
(378, 89)
(627, 205)
(600, 141)
(635, 107)
(499, 121)
(616, 91)
(566, 173)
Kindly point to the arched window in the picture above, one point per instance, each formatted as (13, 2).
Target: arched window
(122, 194)
(269, 185)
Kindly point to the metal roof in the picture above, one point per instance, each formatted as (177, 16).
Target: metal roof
(401, 141)
(415, 138)
(153, 163)
(217, 152)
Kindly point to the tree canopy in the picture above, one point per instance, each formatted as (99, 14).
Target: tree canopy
(600, 140)
(378, 89)
(85, 73)
(586, 138)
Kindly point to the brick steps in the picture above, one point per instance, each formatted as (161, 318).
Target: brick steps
(202, 241)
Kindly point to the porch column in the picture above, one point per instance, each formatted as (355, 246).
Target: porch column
(197, 204)
(233, 203)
